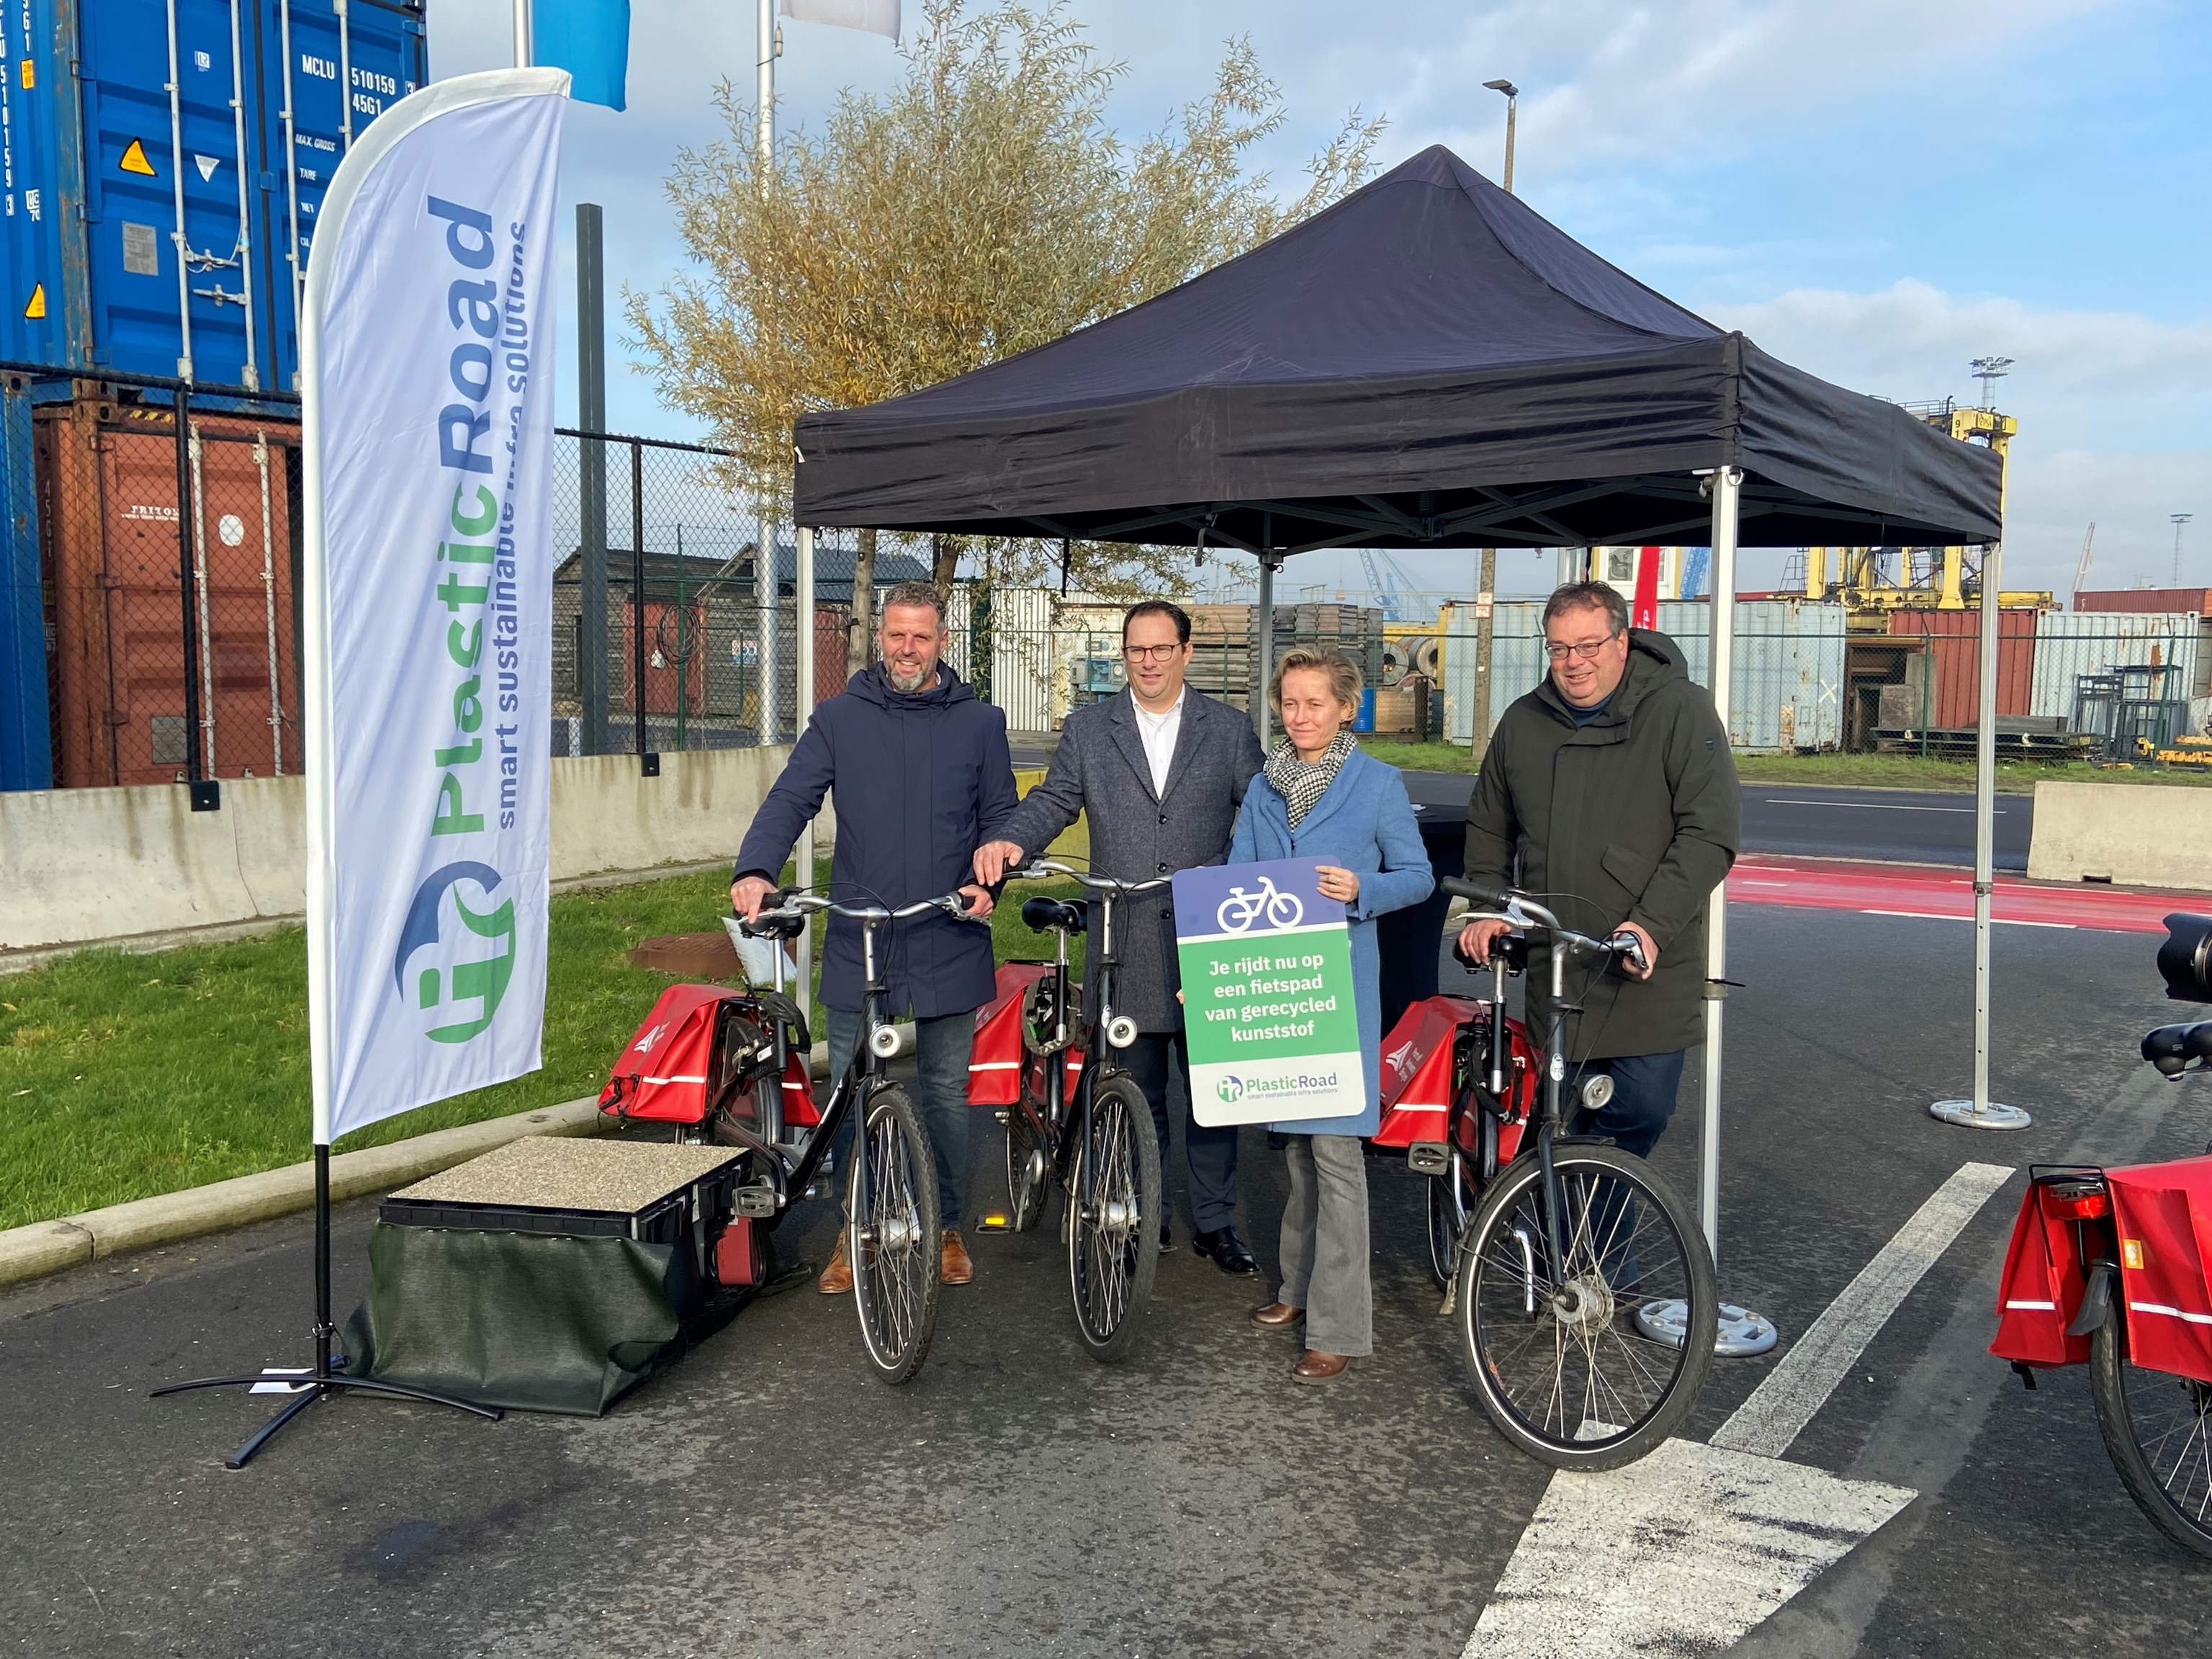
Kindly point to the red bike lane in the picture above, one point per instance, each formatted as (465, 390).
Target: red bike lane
(1941, 893)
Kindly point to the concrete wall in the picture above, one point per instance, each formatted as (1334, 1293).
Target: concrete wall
(2137, 834)
(80, 866)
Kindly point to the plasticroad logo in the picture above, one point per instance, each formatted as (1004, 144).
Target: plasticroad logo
(1230, 1089)
(477, 978)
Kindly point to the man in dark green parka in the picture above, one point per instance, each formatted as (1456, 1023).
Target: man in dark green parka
(1610, 789)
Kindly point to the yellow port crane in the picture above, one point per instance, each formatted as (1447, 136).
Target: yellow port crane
(1930, 579)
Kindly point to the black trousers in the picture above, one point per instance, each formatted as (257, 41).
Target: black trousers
(1211, 1152)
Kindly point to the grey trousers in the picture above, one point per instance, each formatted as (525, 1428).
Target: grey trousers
(1325, 1244)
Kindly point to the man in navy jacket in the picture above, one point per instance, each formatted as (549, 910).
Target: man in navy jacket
(919, 774)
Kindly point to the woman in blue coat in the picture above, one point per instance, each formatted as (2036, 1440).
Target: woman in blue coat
(1321, 797)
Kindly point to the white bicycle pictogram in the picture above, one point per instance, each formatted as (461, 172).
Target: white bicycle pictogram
(1241, 909)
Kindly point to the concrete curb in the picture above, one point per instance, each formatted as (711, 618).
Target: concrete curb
(47, 1246)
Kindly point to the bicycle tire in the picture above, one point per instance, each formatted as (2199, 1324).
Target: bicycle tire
(891, 1237)
(1112, 1255)
(1659, 1256)
(2138, 1441)
(1029, 1175)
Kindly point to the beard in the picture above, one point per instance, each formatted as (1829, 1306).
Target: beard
(907, 684)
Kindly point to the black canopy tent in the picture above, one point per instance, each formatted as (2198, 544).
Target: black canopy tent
(1427, 363)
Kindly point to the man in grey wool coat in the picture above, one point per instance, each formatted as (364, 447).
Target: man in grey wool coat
(1161, 770)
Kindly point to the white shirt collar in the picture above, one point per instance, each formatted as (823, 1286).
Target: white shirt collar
(1166, 714)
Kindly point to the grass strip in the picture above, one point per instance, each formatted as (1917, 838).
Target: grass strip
(124, 1076)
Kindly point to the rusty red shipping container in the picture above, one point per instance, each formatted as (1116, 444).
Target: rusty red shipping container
(115, 565)
(1953, 637)
(2196, 601)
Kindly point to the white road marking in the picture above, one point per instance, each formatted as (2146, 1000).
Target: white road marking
(1678, 1554)
(1785, 1401)
(1873, 805)
(1682, 1553)
(2001, 921)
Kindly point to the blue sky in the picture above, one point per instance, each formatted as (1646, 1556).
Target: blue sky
(1877, 189)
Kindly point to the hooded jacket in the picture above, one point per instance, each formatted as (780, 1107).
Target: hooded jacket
(1635, 817)
(919, 782)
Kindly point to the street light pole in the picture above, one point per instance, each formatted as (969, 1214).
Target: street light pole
(2179, 520)
(1512, 105)
(1486, 599)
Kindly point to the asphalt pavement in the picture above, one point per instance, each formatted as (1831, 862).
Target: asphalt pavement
(1900, 826)
(767, 1495)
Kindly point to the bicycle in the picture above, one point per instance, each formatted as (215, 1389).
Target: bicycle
(1571, 1242)
(1090, 1134)
(2093, 1248)
(1236, 912)
(891, 1232)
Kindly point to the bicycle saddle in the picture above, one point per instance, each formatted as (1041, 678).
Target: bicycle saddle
(1041, 915)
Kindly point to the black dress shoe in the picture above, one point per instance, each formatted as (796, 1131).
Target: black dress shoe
(1227, 1252)
(1167, 1238)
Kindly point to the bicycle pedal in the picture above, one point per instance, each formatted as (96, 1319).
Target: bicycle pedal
(1428, 1158)
(995, 1223)
(755, 1201)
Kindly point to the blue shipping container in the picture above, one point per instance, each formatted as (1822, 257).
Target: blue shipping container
(110, 177)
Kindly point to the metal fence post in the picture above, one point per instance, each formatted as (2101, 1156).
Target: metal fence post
(206, 792)
(591, 477)
(648, 761)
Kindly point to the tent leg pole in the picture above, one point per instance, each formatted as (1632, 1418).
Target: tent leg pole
(1263, 667)
(1981, 1112)
(1741, 1331)
(802, 714)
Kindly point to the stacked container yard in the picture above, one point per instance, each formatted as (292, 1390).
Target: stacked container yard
(1789, 679)
(162, 164)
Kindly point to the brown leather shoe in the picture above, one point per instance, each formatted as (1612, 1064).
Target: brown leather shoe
(954, 1266)
(1314, 1366)
(837, 1278)
(1276, 1316)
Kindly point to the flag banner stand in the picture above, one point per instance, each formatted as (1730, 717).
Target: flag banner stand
(428, 708)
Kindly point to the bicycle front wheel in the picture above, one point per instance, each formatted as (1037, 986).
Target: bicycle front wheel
(892, 1235)
(2158, 1432)
(1114, 1212)
(1558, 1357)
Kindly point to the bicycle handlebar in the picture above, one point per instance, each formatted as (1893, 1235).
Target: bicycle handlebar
(790, 904)
(1050, 869)
(1510, 904)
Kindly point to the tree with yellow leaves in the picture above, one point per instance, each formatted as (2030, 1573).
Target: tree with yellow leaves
(982, 207)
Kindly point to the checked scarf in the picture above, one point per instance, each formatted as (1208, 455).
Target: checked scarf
(1300, 784)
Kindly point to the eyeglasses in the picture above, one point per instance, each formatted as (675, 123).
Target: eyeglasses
(1586, 652)
(1151, 652)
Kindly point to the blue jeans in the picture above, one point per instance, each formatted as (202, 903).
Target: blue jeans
(940, 1053)
(1644, 1091)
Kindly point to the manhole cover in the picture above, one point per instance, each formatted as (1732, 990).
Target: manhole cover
(709, 956)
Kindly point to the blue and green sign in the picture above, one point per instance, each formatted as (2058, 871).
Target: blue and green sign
(1269, 1012)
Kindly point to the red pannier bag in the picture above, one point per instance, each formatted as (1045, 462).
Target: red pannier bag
(998, 1058)
(670, 1072)
(2163, 1214)
(1416, 1076)
(2044, 1279)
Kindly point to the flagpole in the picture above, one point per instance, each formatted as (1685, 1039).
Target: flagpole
(522, 33)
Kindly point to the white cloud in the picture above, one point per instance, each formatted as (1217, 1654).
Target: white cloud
(2114, 425)
(1609, 83)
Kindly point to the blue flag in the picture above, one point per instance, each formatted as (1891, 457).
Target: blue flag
(590, 39)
